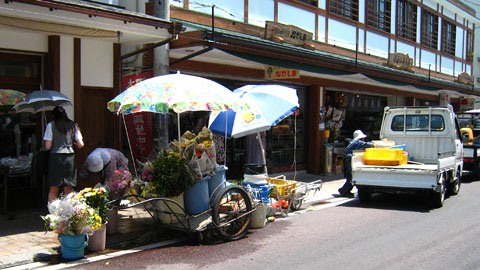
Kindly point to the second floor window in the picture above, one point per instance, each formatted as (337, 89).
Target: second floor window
(407, 20)
(470, 46)
(345, 8)
(448, 37)
(378, 14)
(429, 29)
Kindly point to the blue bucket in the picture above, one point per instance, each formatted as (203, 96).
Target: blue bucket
(217, 181)
(73, 246)
(259, 192)
(196, 198)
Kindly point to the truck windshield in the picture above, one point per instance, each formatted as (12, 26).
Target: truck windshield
(418, 123)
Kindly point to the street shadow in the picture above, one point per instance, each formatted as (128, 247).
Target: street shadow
(400, 202)
(24, 221)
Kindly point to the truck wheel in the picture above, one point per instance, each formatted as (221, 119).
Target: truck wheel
(437, 198)
(454, 187)
(364, 195)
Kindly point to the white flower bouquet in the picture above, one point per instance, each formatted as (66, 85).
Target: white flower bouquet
(71, 216)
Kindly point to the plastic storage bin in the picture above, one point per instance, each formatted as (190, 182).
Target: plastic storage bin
(284, 187)
(383, 156)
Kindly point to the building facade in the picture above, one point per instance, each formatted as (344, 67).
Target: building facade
(351, 59)
(73, 47)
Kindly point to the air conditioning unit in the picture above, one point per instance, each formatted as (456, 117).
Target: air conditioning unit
(478, 79)
(478, 59)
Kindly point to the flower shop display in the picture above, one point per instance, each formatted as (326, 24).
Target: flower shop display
(198, 150)
(168, 176)
(69, 216)
(97, 198)
(119, 184)
(117, 187)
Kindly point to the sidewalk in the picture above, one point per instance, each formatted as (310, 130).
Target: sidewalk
(24, 243)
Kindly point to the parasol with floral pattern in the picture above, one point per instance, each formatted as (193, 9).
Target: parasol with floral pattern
(10, 97)
(178, 92)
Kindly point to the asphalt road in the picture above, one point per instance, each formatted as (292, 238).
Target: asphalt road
(391, 232)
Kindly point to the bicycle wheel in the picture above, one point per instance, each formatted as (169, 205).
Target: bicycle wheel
(231, 212)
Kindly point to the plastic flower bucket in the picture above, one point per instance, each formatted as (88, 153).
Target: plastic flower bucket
(217, 181)
(73, 246)
(196, 197)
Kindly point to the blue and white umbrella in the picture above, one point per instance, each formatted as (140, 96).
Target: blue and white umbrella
(265, 106)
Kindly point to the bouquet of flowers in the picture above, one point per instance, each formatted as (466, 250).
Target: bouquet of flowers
(96, 198)
(119, 184)
(71, 216)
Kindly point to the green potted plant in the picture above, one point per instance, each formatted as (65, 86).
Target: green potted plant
(168, 176)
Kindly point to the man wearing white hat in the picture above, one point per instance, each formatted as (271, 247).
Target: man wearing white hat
(106, 160)
(358, 143)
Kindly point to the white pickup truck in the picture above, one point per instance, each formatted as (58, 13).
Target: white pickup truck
(433, 142)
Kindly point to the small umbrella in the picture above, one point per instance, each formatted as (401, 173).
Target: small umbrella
(42, 100)
(10, 97)
(266, 106)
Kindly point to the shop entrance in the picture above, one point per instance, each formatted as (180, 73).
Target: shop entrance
(346, 112)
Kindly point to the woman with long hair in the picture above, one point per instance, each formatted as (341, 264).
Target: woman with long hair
(60, 136)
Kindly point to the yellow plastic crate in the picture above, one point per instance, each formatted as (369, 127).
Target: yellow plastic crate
(404, 159)
(284, 187)
(383, 156)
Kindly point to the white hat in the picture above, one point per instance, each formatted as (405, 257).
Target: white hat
(95, 162)
(97, 159)
(358, 134)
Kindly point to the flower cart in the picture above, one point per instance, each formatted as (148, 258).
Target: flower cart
(175, 187)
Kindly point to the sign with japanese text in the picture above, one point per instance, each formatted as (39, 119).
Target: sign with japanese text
(286, 33)
(400, 61)
(273, 72)
(464, 78)
(138, 125)
(467, 104)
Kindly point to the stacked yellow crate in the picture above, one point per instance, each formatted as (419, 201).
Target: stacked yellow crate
(385, 156)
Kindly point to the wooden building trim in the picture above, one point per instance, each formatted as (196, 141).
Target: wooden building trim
(53, 64)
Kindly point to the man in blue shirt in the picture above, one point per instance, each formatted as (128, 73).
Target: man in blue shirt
(358, 143)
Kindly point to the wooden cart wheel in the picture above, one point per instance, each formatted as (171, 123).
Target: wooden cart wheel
(229, 212)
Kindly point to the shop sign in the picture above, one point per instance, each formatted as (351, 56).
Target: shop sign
(139, 125)
(444, 99)
(287, 33)
(400, 61)
(272, 73)
(467, 104)
(464, 78)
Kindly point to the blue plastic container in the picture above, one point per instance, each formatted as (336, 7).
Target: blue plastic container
(196, 198)
(260, 192)
(400, 146)
(73, 246)
(217, 182)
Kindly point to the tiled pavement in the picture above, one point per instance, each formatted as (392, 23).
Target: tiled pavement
(23, 241)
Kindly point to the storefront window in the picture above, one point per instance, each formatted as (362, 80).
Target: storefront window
(285, 141)
(17, 133)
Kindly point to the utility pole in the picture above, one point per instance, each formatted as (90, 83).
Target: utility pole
(161, 66)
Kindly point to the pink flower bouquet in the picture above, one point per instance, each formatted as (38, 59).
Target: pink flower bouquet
(119, 184)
